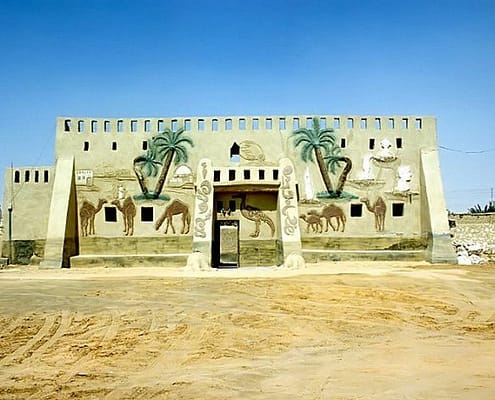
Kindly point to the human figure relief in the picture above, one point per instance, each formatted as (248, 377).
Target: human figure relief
(313, 221)
(379, 209)
(87, 214)
(176, 207)
(256, 215)
(128, 210)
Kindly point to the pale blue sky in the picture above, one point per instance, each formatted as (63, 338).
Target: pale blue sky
(185, 58)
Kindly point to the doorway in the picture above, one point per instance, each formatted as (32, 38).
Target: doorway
(226, 244)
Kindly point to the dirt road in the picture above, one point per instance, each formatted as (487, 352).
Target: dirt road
(371, 332)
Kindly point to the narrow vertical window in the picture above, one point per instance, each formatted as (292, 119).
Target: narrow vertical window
(371, 144)
(242, 124)
(94, 126)
(133, 126)
(309, 123)
(80, 126)
(405, 123)
(364, 123)
(232, 205)
(261, 174)
(114, 146)
(256, 124)
(268, 123)
(275, 174)
(201, 124)
(187, 125)
(145, 145)
(231, 174)
(323, 122)
(46, 175)
(228, 124)
(378, 123)
(67, 125)
(174, 125)
(398, 142)
(147, 125)
(295, 123)
(336, 123)
(350, 123)
(214, 125)
(342, 143)
(106, 126)
(26, 176)
(247, 174)
(120, 125)
(86, 146)
(17, 177)
(281, 124)
(419, 123)
(159, 125)
(391, 123)
(36, 176)
(216, 175)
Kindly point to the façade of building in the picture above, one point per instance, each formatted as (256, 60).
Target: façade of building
(244, 191)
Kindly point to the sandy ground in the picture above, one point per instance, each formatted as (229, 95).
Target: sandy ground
(334, 331)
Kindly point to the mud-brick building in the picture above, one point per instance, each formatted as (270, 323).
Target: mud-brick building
(244, 191)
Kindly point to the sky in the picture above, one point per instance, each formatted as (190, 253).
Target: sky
(105, 58)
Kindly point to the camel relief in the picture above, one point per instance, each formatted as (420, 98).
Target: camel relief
(87, 214)
(313, 221)
(379, 209)
(176, 207)
(128, 210)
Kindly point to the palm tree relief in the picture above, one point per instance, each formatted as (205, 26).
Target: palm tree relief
(165, 147)
(319, 143)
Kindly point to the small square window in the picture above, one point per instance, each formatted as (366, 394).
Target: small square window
(231, 174)
(356, 210)
(110, 214)
(247, 174)
(216, 175)
(146, 214)
(275, 174)
(398, 142)
(261, 174)
(397, 209)
(232, 206)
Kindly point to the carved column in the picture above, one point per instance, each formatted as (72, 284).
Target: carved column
(203, 209)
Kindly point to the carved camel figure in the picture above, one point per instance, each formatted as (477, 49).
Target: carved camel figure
(256, 215)
(87, 214)
(128, 210)
(176, 207)
(379, 209)
(313, 221)
(329, 212)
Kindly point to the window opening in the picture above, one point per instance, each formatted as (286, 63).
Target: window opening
(371, 145)
(398, 142)
(391, 123)
(235, 155)
(342, 142)
(275, 174)
(364, 123)
(114, 146)
(17, 176)
(295, 123)
(120, 125)
(146, 214)
(216, 175)
(309, 123)
(268, 123)
(232, 205)
(94, 126)
(378, 123)
(46, 176)
(231, 174)
(110, 214)
(397, 209)
(133, 126)
(147, 125)
(145, 145)
(242, 124)
(256, 124)
(356, 210)
(323, 122)
(174, 125)
(106, 126)
(281, 124)
(419, 123)
(405, 123)
(228, 124)
(36, 176)
(86, 146)
(201, 124)
(159, 125)
(67, 125)
(80, 126)
(187, 125)
(26, 176)
(336, 123)
(214, 124)
(350, 123)
(219, 206)
(247, 174)
(261, 174)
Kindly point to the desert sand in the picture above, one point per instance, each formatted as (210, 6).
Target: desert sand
(330, 331)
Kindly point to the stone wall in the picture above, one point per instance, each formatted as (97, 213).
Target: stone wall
(475, 233)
